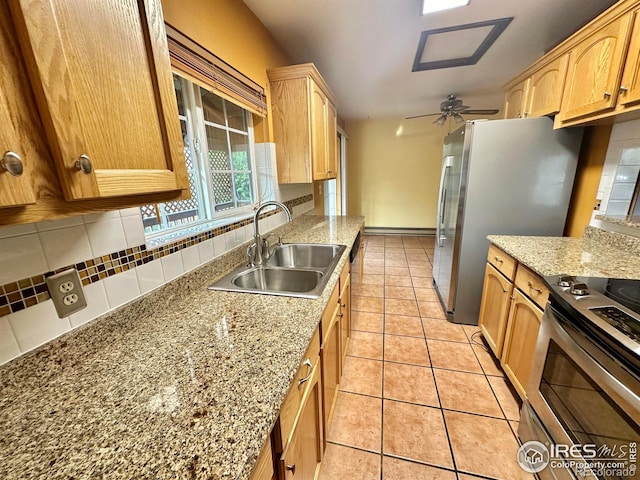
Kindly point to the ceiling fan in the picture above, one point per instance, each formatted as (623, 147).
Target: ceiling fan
(452, 107)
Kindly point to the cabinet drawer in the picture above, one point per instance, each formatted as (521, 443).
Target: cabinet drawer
(502, 261)
(531, 284)
(329, 316)
(293, 400)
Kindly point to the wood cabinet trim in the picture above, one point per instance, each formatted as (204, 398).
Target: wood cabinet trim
(305, 70)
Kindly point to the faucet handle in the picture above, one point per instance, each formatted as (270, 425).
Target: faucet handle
(251, 255)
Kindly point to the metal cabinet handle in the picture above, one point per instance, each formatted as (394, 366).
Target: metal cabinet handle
(622, 90)
(83, 163)
(343, 305)
(498, 259)
(607, 95)
(341, 315)
(535, 289)
(308, 363)
(12, 163)
(291, 468)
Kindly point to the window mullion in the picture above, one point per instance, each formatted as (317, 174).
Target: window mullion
(193, 136)
(204, 152)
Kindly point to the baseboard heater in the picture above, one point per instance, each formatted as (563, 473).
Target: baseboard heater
(398, 231)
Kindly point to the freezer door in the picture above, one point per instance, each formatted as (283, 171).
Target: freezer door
(445, 250)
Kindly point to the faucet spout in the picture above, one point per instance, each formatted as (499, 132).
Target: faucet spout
(258, 256)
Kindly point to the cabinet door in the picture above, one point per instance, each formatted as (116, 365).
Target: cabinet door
(515, 100)
(17, 119)
(545, 88)
(318, 132)
(332, 141)
(345, 320)
(520, 341)
(494, 308)
(595, 66)
(630, 87)
(301, 460)
(330, 359)
(102, 79)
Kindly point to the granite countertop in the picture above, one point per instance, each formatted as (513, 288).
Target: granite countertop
(184, 383)
(598, 253)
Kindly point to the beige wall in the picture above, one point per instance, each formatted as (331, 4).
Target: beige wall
(231, 31)
(393, 171)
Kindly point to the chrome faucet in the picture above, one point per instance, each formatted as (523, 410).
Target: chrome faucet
(255, 252)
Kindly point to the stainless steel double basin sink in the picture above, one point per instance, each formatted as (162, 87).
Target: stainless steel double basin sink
(292, 270)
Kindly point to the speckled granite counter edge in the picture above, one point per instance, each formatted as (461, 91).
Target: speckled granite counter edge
(598, 253)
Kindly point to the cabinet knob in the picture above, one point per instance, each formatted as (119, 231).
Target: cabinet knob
(291, 468)
(622, 90)
(83, 163)
(12, 163)
(607, 95)
(498, 259)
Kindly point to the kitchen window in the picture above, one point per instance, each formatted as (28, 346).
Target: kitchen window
(218, 139)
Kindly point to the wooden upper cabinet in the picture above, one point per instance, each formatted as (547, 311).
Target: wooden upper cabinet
(319, 148)
(102, 80)
(16, 134)
(629, 91)
(595, 68)
(304, 124)
(545, 88)
(516, 100)
(332, 141)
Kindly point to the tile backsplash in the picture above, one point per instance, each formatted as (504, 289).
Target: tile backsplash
(621, 168)
(113, 259)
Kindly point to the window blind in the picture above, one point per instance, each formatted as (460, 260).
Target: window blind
(210, 72)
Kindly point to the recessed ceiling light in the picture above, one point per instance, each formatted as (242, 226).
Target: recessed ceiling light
(430, 6)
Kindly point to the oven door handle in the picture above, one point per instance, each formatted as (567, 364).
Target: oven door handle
(571, 341)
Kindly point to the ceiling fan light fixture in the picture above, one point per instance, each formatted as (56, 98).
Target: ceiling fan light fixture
(441, 120)
(458, 118)
(430, 6)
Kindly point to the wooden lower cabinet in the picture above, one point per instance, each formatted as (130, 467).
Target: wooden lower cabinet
(494, 308)
(520, 340)
(345, 316)
(264, 465)
(330, 360)
(303, 455)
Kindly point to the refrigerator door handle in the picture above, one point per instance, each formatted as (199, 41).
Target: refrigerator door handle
(442, 203)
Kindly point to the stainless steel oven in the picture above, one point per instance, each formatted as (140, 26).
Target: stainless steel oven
(583, 401)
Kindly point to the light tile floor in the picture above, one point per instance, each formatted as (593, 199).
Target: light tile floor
(420, 399)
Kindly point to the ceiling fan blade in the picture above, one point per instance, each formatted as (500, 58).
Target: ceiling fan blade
(480, 112)
(425, 115)
(460, 108)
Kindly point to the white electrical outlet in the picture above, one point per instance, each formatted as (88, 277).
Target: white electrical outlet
(66, 292)
(66, 287)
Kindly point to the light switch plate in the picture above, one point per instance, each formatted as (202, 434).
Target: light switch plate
(66, 292)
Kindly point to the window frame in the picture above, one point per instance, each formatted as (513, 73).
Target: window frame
(196, 126)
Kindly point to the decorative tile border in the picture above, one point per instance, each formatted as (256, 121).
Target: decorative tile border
(25, 293)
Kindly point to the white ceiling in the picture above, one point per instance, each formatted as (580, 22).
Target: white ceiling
(365, 48)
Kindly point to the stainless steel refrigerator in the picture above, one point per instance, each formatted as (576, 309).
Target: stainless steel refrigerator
(506, 177)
